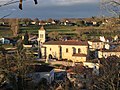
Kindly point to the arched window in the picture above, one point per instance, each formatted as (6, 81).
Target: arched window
(74, 50)
(79, 50)
(66, 50)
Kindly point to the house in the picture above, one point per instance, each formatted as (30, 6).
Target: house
(106, 53)
(108, 39)
(53, 22)
(2, 23)
(102, 38)
(33, 22)
(81, 76)
(40, 72)
(76, 51)
(95, 44)
(4, 41)
(94, 66)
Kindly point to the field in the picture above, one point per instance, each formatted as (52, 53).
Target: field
(71, 31)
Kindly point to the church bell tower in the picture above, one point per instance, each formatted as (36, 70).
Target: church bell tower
(41, 34)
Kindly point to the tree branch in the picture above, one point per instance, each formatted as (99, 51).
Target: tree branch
(9, 3)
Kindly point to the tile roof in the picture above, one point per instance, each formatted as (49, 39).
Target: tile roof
(42, 28)
(41, 68)
(96, 40)
(69, 42)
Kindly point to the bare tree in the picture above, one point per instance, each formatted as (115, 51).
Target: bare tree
(14, 66)
(109, 74)
(15, 1)
(112, 6)
(14, 26)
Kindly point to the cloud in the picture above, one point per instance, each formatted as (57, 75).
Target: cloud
(70, 2)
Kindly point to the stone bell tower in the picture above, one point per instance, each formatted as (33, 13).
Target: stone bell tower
(41, 34)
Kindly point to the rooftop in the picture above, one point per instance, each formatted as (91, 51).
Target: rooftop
(117, 49)
(96, 40)
(69, 42)
(41, 68)
(42, 28)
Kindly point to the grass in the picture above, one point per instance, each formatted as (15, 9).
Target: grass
(52, 28)
(7, 46)
(62, 30)
(5, 33)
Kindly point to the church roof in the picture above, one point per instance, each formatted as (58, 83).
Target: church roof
(42, 28)
(71, 42)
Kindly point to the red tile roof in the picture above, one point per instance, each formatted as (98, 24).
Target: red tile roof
(71, 42)
(96, 40)
(42, 28)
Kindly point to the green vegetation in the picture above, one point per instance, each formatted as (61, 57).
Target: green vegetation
(76, 31)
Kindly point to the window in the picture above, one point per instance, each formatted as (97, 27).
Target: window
(74, 50)
(79, 50)
(66, 50)
(41, 35)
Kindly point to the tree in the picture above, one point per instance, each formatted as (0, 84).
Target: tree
(14, 66)
(112, 6)
(109, 74)
(25, 21)
(36, 20)
(53, 35)
(14, 26)
(84, 37)
(26, 37)
(49, 20)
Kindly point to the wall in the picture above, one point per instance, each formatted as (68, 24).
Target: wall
(107, 54)
(96, 45)
(78, 59)
(37, 76)
(54, 50)
(42, 39)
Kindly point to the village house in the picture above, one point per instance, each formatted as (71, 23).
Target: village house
(81, 76)
(109, 39)
(102, 43)
(76, 51)
(95, 44)
(5, 40)
(106, 53)
(39, 73)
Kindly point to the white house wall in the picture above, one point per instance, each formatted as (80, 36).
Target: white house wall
(107, 54)
(37, 76)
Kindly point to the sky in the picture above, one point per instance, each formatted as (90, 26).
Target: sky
(52, 9)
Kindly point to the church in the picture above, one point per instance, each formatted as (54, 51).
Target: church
(73, 50)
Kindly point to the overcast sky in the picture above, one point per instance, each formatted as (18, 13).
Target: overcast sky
(52, 9)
